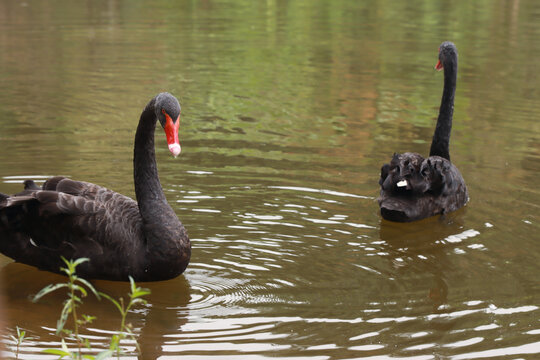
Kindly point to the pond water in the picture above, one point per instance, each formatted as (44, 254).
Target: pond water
(288, 111)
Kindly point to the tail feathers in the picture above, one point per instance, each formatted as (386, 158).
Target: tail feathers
(52, 183)
(11, 201)
(16, 208)
(30, 185)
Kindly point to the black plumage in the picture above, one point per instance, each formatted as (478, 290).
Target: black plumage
(120, 236)
(412, 187)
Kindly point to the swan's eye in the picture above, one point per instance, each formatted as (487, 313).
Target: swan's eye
(163, 112)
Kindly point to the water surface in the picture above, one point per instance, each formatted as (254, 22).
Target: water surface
(288, 111)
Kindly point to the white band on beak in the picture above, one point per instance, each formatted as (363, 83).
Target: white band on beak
(175, 149)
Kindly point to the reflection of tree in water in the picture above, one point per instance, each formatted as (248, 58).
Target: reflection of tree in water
(420, 248)
(165, 313)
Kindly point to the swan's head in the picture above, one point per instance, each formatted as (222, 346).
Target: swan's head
(447, 55)
(167, 110)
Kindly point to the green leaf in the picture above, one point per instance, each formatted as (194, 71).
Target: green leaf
(137, 291)
(59, 326)
(116, 303)
(104, 355)
(66, 310)
(89, 286)
(20, 335)
(66, 261)
(76, 299)
(79, 261)
(115, 342)
(81, 289)
(56, 352)
(70, 268)
(140, 292)
(48, 289)
(138, 301)
(88, 319)
(132, 283)
(64, 346)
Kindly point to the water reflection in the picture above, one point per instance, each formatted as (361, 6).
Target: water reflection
(422, 248)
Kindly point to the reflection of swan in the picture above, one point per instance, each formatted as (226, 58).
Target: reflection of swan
(418, 249)
(121, 237)
(165, 314)
(414, 188)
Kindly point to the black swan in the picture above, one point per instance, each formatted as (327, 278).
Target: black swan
(413, 188)
(121, 237)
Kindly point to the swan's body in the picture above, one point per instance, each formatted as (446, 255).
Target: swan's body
(121, 237)
(413, 188)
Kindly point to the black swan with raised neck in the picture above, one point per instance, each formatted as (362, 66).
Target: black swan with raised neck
(413, 188)
(121, 237)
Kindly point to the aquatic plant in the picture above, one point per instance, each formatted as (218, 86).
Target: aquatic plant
(21, 336)
(78, 288)
(135, 297)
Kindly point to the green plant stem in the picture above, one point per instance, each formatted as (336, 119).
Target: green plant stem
(74, 314)
(70, 307)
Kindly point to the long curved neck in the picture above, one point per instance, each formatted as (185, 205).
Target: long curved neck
(148, 189)
(440, 145)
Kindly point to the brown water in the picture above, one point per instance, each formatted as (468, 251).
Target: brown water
(289, 110)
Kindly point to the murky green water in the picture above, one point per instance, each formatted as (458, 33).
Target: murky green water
(289, 110)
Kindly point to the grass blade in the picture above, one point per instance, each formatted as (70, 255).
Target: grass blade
(89, 286)
(46, 290)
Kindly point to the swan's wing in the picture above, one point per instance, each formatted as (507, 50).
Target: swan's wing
(83, 221)
(78, 188)
(443, 176)
(46, 203)
(86, 196)
(60, 195)
(446, 182)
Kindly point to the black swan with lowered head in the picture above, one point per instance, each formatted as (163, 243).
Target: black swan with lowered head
(413, 188)
(121, 237)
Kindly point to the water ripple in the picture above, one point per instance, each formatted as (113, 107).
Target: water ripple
(322, 191)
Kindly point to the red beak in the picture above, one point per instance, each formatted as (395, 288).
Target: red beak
(171, 131)
(439, 66)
